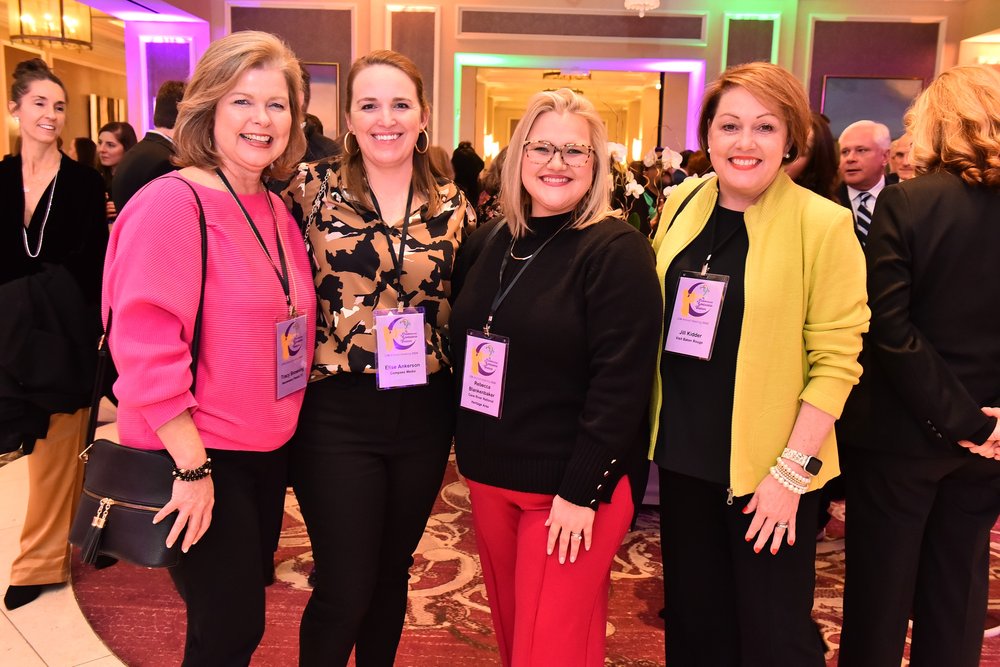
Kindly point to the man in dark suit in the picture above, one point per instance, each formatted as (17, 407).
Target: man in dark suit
(864, 154)
(150, 158)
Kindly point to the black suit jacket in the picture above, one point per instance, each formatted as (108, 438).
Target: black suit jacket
(148, 159)
(932, 356)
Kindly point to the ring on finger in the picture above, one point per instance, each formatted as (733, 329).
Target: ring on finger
(781, 525)
(576, 536)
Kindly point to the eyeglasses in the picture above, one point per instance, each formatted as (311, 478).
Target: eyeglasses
(572, 155)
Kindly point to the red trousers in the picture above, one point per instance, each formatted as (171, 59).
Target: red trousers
(545, 614)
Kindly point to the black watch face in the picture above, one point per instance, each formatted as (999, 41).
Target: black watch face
(813, 465)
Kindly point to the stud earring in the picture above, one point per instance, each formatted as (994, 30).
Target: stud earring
(788, 155)
(708, 150)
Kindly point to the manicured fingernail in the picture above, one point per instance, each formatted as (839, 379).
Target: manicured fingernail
(745, 510)
(791, 543)
(774, 552)
(756, 550)
(747, 539)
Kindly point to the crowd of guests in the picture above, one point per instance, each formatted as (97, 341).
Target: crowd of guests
(546, 337)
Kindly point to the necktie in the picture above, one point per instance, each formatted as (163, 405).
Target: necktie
(864, 217)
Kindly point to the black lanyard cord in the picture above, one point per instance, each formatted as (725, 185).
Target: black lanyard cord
(283, 272)
(501, 291)
(397, 262)
(712, 248)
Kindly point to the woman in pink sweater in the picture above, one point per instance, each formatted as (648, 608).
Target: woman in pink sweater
(239, 121)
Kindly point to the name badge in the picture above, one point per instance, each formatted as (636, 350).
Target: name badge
(484, 375)
(400, 348)
(292, 345)
(695, 318)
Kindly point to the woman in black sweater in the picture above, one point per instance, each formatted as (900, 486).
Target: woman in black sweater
(52, 242)
(554, 326)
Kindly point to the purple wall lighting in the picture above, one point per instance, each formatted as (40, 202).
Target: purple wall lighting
(167, 58)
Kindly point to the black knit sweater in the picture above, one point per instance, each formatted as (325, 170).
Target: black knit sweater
(583, 322)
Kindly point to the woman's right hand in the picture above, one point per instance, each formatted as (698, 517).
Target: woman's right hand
(193, 502)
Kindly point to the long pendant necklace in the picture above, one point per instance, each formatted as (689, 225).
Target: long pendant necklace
(41, 232)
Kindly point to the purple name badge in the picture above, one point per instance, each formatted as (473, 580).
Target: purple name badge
(695, 317)
(292, 351)
(400, 350)
(484, 374)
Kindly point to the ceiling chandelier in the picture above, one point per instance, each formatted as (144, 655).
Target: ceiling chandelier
(641, 6)
(50, 22)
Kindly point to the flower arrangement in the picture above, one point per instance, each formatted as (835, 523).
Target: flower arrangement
(626, 192)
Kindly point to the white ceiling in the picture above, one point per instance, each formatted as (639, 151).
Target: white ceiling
(510, 87)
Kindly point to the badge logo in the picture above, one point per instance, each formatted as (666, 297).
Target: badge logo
(695, 301)
(291, 341)
(482, 360)
(398, 334)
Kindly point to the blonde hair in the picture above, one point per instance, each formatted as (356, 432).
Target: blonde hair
(773, 86)
(223, 63)
(515, 200)
(955, 125)
(352, 171)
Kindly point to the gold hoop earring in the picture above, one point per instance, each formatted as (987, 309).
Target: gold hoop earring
(346, 148)
(427, 142)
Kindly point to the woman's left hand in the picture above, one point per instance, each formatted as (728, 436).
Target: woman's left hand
(569, 525)
(773, 506)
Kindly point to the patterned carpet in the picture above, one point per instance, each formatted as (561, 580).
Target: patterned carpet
(139, 616)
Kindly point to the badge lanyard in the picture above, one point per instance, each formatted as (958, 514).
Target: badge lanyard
(485, 368)
(501, 291)
(397, 262)
(693, 323)
(283, 272)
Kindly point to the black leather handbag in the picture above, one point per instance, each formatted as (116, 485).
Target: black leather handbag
(124, 487)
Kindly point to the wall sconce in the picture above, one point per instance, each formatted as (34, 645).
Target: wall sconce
(51, 22)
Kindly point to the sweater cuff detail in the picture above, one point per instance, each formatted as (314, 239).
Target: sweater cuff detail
(982, 434)
(158, 414)
(587, 477)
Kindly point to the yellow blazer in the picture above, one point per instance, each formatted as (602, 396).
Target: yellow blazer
(805, 311)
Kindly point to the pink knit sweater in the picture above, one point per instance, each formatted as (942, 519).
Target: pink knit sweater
(152, 277)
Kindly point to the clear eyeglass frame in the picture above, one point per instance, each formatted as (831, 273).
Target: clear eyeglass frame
(572, 155)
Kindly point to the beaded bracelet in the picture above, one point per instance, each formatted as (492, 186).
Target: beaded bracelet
(801, 480)
(194, 474)
(787, 483)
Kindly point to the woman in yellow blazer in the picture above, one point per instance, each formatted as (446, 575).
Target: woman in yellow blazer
(765, 305)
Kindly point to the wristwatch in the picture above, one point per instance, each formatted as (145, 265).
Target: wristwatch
(810, 464)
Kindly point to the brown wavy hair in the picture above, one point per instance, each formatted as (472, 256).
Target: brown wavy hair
(352, 171)
(955, 125)
(223, 63)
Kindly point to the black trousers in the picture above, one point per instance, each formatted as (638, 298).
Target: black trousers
(726, 606)
(366, 466)
(222, 578)
(918, 541)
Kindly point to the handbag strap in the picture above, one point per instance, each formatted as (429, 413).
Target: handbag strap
(685, 203)
(102, 348)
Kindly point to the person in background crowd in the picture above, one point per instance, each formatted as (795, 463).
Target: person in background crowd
(699, 164)
(318, 145)
(489, 205)
(815, 167)
(440, 163)
(923, 480)
(83, 150)
(239, 120)
(864, 153)
(899, 158)
(53, 241)
(765, 308)
(151, 157)
(373, 439)
(113, 141)
(681, 172)
(468, 165)
(546, 470)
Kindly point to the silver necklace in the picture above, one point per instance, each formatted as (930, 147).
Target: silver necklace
(41, 232)
(519, 259)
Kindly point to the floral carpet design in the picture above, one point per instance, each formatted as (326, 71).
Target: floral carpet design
(140, 617)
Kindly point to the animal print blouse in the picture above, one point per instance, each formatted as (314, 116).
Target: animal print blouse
(354, 272)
